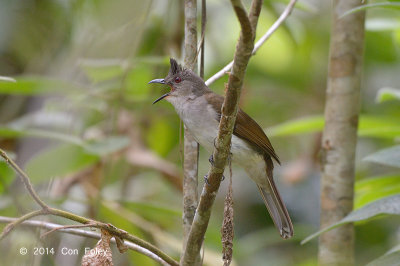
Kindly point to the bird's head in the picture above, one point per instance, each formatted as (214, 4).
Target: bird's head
(183, 83)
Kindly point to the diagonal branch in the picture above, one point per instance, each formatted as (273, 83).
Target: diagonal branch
(245, 25)
(20, 220)
(221, 152)
(259, 43)
(66, 227)
(80, 232)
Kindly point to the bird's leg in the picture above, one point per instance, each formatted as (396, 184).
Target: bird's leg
(230, 165)
(230, 159)
(211, 160)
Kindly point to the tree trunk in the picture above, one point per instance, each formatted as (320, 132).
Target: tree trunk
(340, 133)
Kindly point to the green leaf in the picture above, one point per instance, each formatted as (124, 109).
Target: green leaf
(7, 79)
(392, 257)
(387, 94)
(59, 161)
(369, 126)
(388, 205)
(389, 157)
(382, 24)
(162, 215)
(161, 136)
(391, 5)
(309, 124)
(148, 208)
(6, 175)
(101, 147)
(34, 85)
(48, 125)
(136, 87)
(107, 146)
(99, 70)
(9, 132)
(379, 127)
(371, 189)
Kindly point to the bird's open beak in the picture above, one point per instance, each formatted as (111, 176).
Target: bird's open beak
(162, 97)
(160, 81)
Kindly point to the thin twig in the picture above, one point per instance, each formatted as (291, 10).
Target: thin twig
(24, 178)
(199, 51)
(84, 233)
(203, 33)
(20, 220)
(46, 210)
(115, 232)
(259, 43)
(221, 152)
(66, 227)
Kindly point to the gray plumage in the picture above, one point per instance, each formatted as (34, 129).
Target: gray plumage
(200, 110)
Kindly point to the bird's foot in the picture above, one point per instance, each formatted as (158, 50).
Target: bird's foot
(208, 183)
(206, 179)
(211, 160)
(230, 157)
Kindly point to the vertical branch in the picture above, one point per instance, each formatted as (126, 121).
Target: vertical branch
(221, 152)
(340, 133)
(191, 147)
(190, 170)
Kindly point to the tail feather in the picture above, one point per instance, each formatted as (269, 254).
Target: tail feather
(275, 205)
(278, 212)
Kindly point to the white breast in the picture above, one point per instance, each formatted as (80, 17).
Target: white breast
(200, 118)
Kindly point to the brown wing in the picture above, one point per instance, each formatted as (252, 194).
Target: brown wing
(248, 129)
(245, 127)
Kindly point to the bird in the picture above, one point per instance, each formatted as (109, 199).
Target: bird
(200, 110)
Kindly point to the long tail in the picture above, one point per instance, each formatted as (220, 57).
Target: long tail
(278, 212)
(275, 205)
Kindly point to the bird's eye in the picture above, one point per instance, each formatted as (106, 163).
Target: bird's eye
(178, 79)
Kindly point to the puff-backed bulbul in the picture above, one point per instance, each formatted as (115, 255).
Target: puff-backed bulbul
(200, 110)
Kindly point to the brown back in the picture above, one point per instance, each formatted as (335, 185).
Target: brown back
(245, 127)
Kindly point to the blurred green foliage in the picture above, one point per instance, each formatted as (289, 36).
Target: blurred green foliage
(81, 102)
